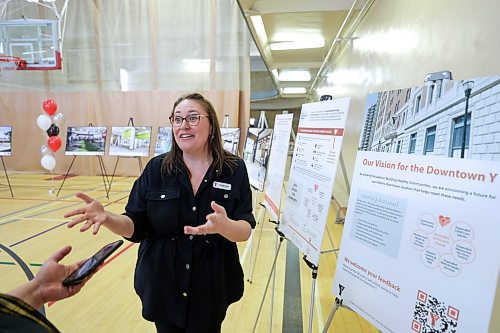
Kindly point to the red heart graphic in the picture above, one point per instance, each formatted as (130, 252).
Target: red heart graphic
(444, 220)
(316, 186)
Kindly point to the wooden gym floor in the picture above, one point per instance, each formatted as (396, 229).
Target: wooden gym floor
(32, 227)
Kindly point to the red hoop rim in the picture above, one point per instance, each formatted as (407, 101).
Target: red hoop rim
(21, 64)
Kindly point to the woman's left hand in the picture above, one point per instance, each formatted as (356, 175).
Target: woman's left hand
(216, 222)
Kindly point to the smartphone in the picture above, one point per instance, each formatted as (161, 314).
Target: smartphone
(91, 264)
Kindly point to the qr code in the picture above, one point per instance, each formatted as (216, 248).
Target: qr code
(433, 316)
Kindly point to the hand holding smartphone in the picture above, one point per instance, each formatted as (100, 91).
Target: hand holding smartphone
(91, 264)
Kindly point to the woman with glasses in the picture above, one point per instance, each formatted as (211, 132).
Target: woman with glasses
(188, 209)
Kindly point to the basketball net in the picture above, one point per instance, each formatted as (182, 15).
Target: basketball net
(9, 63)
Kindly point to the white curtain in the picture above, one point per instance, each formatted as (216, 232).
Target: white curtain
(127, 59)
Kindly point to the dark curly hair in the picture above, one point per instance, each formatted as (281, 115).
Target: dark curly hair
(173, 162)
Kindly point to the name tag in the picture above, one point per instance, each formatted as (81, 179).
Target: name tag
(222, 186)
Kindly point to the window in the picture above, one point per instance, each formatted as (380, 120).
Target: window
(457, 136)
(398, 147)
(439, 88)
(413, 143)
(431, 93)
(417, 103)
(430, 139)
(407, 96)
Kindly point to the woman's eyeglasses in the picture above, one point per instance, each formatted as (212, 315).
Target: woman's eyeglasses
(192, 119)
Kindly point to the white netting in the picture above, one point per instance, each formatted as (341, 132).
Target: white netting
(9, 64)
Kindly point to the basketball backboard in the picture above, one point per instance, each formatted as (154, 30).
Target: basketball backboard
(33, 40)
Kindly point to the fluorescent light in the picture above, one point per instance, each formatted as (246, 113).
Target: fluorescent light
(258, 25)
(275, 73)
(295, 76)
(197, 65)
(298, 44)
(294, 90)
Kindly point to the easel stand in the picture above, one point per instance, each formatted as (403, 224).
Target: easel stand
(114, 170)
(271, 274)
(103, 173)
(313, 290)
(337, 304)
(7, 176)
(250, 265)
(130, 123)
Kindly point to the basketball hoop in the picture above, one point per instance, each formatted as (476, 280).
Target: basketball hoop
(11, 63)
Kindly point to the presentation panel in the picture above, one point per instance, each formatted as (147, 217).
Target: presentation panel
(5, 140)
(230, 139)
(85, 140)
(312, 173)
(420, 241)
(277, 164)
(163, 140)
(130, 141)
(420, 230)
(256, 154)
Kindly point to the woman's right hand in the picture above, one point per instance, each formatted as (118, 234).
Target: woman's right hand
(92, 213)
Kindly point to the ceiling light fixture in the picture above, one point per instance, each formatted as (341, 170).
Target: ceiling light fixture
(258, 25)
(294, 90)
(295, 76)
(298, 44)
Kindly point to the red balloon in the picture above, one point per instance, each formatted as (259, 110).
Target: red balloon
(50, 106)
(54, 143)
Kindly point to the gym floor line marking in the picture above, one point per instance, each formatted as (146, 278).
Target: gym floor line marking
(45, 231)
(16, 219)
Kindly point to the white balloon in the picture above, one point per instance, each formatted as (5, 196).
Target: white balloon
(43, 121)
(48, 162)
(44, 150)
(58, 119)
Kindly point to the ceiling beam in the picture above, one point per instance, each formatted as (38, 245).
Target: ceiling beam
(300, 6)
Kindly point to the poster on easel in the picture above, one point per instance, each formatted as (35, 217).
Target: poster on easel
(255, 155)
(85, 140)
(163, 140)
(130, 141)
(5, 140)
(420, 233)
(312, 174)
(230, 139)
(420, 237)
(277, 164)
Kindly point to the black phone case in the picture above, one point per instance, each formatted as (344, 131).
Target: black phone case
(76, 277)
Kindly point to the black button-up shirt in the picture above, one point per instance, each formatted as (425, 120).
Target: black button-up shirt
(183, 279)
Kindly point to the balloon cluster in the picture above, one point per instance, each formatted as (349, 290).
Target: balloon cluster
(50, 123)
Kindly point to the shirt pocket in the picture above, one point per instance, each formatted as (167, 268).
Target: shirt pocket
(163, 209)
(226, 198)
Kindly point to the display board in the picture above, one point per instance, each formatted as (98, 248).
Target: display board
(163, 140)
(85, 140)
(230, 139)
(419, 247)
(256, 153)
(132, 141)
(277, 163)
(5, 140)
(312, 173)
